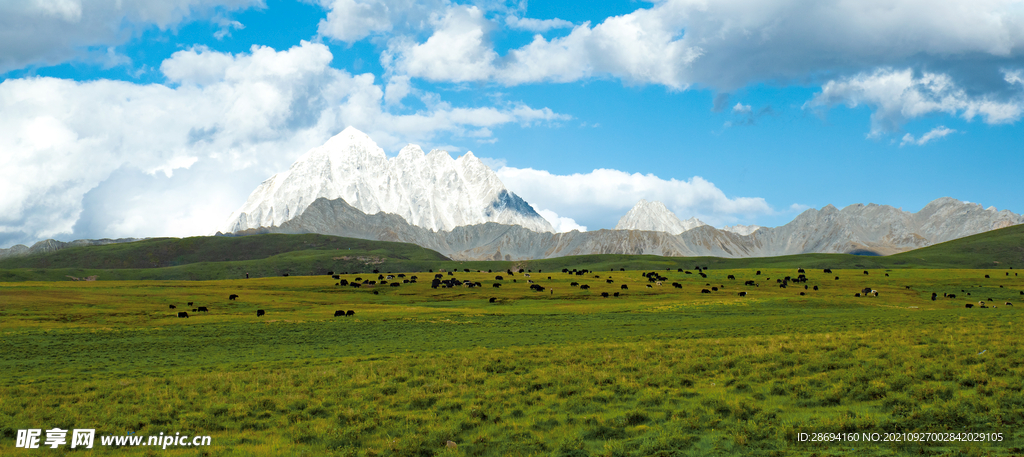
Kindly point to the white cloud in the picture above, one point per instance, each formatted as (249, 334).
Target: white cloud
(225, 25)
(398, 87)
(741, 109)
(1014, 77)
(561, 224)
(250, 114)
(457, 51)
(601, 197)
(724, 44)
(937, 132)
(53, 31)
(897, 96)
(536, 25)
(354, 20)
(351, 20)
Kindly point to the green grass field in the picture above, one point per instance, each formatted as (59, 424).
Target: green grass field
(658, 371)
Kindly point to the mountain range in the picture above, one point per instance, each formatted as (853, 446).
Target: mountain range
(458, 207)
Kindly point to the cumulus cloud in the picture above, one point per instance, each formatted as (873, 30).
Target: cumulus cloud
(536, 25)
(601, 197)
(458, 50)
(897, 96)
(726, 44)
(53, 31)
(561, 224)
(354, 20)
(250, 113)
(935, 133)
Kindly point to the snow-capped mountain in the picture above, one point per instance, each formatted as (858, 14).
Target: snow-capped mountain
(740, 229)
(432, 191)
(655, 217)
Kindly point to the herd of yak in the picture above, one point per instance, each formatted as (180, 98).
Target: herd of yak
(653, 278)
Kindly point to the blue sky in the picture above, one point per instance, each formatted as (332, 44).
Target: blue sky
(157, 118)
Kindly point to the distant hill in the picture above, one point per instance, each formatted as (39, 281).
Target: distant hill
(218, 257)
(206, 258)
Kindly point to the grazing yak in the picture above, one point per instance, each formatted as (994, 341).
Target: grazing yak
(677, 285)
(182, 314)
(230, 297)
(827, 270)
(604, 294)
(815, 287)
(260, 312)
(496, 285)
(203, 309)
(350, 313)
(865, 272)
(189, 303)
(492, 300)
(714, 289)
(758, 273)
(339, 313)
(616, 294)
(801, 293)
(730, 277)
(624, 287)
(705, 291)
(743, 294)
(584, 287)
(968, 306)
(173, 307)
(800, 270)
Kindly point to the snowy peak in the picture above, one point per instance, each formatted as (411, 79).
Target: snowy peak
(742, 230)
(432, 190)
(656, 217)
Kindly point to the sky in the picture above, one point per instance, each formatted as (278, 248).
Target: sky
(144, 118)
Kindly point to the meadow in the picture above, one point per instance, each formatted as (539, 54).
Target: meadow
(657, 371)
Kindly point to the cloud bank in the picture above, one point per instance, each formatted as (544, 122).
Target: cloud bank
(601, 197)
(251, 113)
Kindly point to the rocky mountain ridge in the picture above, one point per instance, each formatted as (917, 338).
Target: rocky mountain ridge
(861, 229)
(655, 216)
(51, 245)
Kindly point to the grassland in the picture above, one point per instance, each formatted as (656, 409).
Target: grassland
(658, 371)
